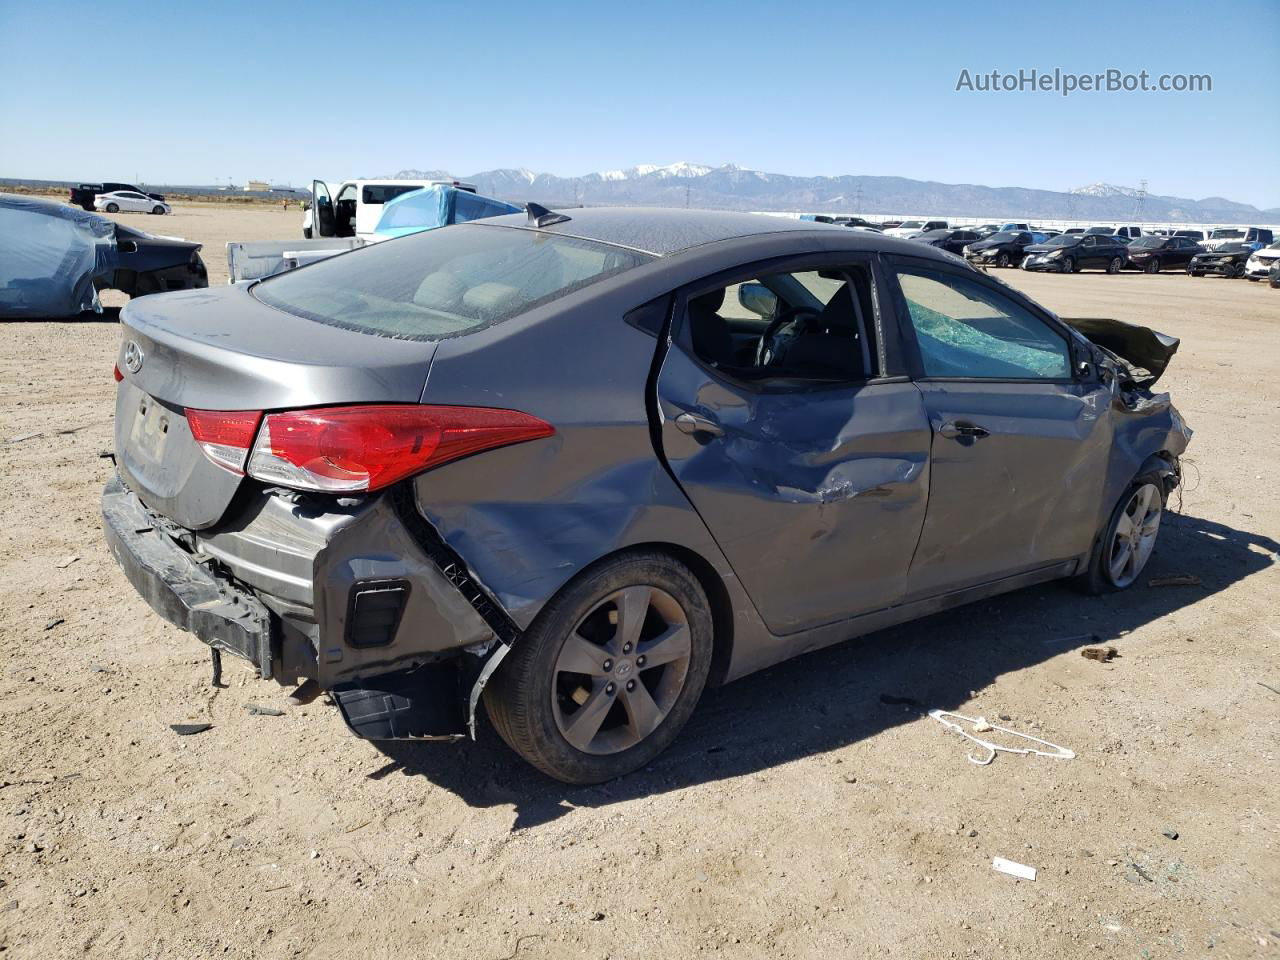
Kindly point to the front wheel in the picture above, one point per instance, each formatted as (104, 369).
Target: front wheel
(306, 233)
(1115, 265)
(1002, 260)
(1153, 266)
(610, 671)
(113, 208)
(157, 211)
(1068, 265)
(1126, 544)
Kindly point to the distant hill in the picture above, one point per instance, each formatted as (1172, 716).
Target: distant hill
(734, 188)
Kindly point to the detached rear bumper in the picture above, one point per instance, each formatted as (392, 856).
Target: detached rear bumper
(181, 589)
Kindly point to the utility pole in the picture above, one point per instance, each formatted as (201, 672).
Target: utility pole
(1141, 201)
(686, 196)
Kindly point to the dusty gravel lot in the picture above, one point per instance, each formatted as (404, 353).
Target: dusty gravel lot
(797, 816)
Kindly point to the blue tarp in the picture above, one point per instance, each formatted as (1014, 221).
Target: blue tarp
(50, 253)
(438, 206)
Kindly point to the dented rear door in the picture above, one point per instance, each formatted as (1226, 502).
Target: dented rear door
(816, 493)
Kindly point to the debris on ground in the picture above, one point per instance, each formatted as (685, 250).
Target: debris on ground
(1101, 654)
(1020, 870)
(1260, 683)
(188, 729)
(25, 436)
(67, 561)
(1170, 833)
(1054, 751)
(1183, 580)
(54, 622)
(255, 710)
(305, 693)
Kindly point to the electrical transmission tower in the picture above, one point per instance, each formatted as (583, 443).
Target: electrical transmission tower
(1140, 201)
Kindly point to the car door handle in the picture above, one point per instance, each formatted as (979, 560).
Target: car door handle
(962, 428)
(691, 423)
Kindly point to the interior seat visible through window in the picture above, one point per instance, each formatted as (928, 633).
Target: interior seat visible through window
(802, 325)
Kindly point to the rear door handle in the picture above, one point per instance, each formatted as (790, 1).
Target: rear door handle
(962, 428)
(691, 423)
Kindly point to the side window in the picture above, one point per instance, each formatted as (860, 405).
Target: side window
(965, 329)
(815, 325)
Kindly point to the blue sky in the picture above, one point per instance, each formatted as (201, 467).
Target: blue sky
(183, 93)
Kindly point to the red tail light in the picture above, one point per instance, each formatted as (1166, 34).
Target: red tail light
(115, 372)
(344, 449)
(225, 436)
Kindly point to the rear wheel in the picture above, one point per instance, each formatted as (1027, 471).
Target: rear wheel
(610, 671)
(1115, 265)
(113, 208)
(1153, 266)
(1126, 544)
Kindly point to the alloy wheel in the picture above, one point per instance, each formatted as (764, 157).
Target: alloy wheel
(1114, 265)
(620, 671)
(1153, 266)
(1135, 535)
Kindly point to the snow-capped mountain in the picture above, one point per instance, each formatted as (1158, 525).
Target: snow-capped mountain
(1105, 190)
(730, 187)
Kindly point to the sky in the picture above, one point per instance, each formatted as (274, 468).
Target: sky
(200, 92)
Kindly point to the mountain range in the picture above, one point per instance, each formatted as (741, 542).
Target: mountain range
(730, 187)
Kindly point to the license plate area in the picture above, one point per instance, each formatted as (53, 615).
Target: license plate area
(149, 435)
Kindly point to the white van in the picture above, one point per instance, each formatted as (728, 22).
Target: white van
(355, 209)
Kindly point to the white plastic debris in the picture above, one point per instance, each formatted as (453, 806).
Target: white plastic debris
(980, 724)
(1013, 869)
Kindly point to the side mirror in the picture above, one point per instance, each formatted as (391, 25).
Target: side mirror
(758, 298)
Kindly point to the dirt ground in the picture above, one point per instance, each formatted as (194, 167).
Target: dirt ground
(798, 815)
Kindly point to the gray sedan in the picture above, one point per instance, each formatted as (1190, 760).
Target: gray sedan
(576, 468)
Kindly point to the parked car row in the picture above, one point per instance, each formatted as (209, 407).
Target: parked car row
(114, 197)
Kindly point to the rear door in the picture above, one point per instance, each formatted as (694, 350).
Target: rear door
(1020, 446)
(808, 465)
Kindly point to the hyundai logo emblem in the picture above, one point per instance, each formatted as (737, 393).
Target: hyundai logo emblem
(132, 357)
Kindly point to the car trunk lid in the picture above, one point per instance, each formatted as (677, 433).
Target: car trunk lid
(221, 349)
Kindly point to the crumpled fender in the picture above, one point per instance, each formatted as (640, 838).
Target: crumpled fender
(1138, 346)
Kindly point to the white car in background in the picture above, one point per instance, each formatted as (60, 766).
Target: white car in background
(1258, 266)
(119, 200)
(913, 228)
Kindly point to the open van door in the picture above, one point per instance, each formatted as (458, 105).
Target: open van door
(322, 210)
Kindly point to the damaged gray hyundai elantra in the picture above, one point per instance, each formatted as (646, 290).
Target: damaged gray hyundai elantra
(578, 467)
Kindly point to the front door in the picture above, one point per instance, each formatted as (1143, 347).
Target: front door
(322, 209)
(808, 466)
(1020, 446)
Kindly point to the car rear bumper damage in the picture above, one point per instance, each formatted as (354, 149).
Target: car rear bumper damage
(351, 597)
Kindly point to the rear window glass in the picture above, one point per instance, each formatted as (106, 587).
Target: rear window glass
(444, 282)
(381, 193)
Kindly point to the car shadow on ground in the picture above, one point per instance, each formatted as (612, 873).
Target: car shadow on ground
(833, 697)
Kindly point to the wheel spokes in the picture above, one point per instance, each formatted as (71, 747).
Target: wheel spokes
(580, 655)
(643, 713)
(674, 644)
(633, 607)
(585, 722)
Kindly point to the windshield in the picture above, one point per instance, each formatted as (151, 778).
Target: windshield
(1066, 240)
(911, 225)
(937, 233)
(1004, 236)
(444, 282)
(1227, 235)
(1144, 242)
(1233, 248)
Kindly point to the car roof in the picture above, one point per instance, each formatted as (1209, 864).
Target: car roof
(664, 232)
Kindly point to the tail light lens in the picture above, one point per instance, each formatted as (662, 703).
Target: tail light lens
(225, 436)
(357, 449)
(115, 372)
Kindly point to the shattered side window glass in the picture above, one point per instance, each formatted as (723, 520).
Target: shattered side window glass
(964, 329)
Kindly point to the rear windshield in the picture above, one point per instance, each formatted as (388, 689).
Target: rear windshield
(444, 282)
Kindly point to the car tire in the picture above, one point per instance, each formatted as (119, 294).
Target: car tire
(1237, 271)
(1135, 522)
(157, 211)
(1068, 265)
(1115, 265)
(1196, 273)
(1153, 266)
(614, 713)
(113, 208)
(1275, 284)
(1002, 259)
(306, 233)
